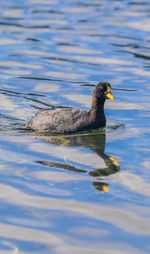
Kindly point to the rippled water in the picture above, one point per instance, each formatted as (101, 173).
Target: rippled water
(88, 192)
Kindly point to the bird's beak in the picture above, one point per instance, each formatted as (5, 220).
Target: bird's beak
(109, 94)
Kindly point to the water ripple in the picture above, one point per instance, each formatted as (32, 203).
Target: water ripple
(85, 192)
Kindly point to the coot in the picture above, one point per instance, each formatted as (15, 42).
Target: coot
(70, 120)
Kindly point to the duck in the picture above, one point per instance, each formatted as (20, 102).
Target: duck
(71, 120)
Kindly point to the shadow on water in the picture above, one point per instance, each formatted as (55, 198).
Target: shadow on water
(95, 142)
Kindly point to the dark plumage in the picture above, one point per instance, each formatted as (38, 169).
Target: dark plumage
(69, 120)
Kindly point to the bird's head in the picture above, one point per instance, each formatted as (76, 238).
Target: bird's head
(103, 89)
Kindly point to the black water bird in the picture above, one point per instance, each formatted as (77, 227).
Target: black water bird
(70, 120)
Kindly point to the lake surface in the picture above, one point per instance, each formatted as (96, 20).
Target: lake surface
(85, 193)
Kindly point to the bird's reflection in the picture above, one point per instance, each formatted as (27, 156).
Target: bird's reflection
(94, 141)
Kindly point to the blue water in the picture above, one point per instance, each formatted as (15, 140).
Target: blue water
(87, 192)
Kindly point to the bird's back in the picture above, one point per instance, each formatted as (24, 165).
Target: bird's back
(62, 120)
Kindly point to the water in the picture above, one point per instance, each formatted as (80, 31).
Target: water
(87, 192)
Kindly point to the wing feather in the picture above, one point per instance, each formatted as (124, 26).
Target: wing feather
(59, 120)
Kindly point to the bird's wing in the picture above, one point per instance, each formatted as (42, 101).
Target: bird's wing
(58, 119)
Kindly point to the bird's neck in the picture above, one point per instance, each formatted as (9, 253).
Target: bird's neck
(97, 108)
